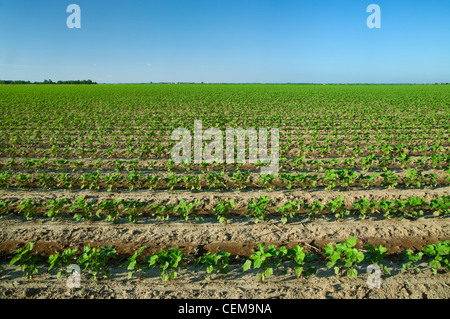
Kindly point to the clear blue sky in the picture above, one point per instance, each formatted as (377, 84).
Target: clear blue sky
(226, 41)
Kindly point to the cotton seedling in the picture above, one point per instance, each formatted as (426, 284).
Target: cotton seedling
(263, 258)
(110, 209)
(151, 181)
(61, 261)
(376, 255)
(133, 179)
(56, 208)
(132, 209)
(299, 257)
(440, 206)
(112, 180)
(315, 209)
(222, 209)
(169, 262)
(289, 209)
(364, 206)
(414, 205)
(26, 260)
(389, 179)
(184, 209)
(344, 256)
(240, 179)
(216, 180)
(83, 209)
(95, 260)
(90, 180)
(347, 178)
(288, 180)
(258, 208)
(368, 180)
(29, 208)
(217, 262)
(266, 180)
(4, 207)
(412, 260)
(439, 254)
(337, 207)
(172, 180)
(136, 263)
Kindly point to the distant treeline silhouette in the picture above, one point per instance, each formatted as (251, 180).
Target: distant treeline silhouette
(47, 82)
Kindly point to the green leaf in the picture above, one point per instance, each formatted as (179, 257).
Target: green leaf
(247, 265)
(351, 242)
(268, 272)
(298, 271)
(352, 272)
(328, 250)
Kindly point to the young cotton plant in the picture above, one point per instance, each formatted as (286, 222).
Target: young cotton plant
(222, 209)
(439, 253)
(258, 208)
(263, 258)
(136, 263)
(218, 261)
(95, 260)
(376, 256)
(289, 209)
(57, 208)
(169, 262)
(299, 257)
(185, 209)
(62, 260)
(26, 260)
(83, 209)
(412, 260)
(344, 255)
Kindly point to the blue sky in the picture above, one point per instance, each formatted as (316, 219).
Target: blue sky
(321, 41)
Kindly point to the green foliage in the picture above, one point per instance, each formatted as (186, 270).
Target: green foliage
(337, 207)
(299, 258)
(263, 258)
(94, 261)
(61, 261)
(56, 208)
(184, 209)
(376, 256)
(289, 209)
(110, 209)
(83, 209)
(344, 256)
(26, 260)
(222, 209)
(28, 208)
(169, 262)
(217, 262)
(258, 208)
(136, 263)
(439, 254)
(411, 260)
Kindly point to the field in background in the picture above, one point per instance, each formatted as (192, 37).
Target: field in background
(92, 165)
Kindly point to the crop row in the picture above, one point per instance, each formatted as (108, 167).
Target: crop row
(133, 180)
(344, 258)
(259, 209)
(366, 162)
(294, 137)
(163, 149)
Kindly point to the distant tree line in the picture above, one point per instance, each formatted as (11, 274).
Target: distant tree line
(47, 82)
